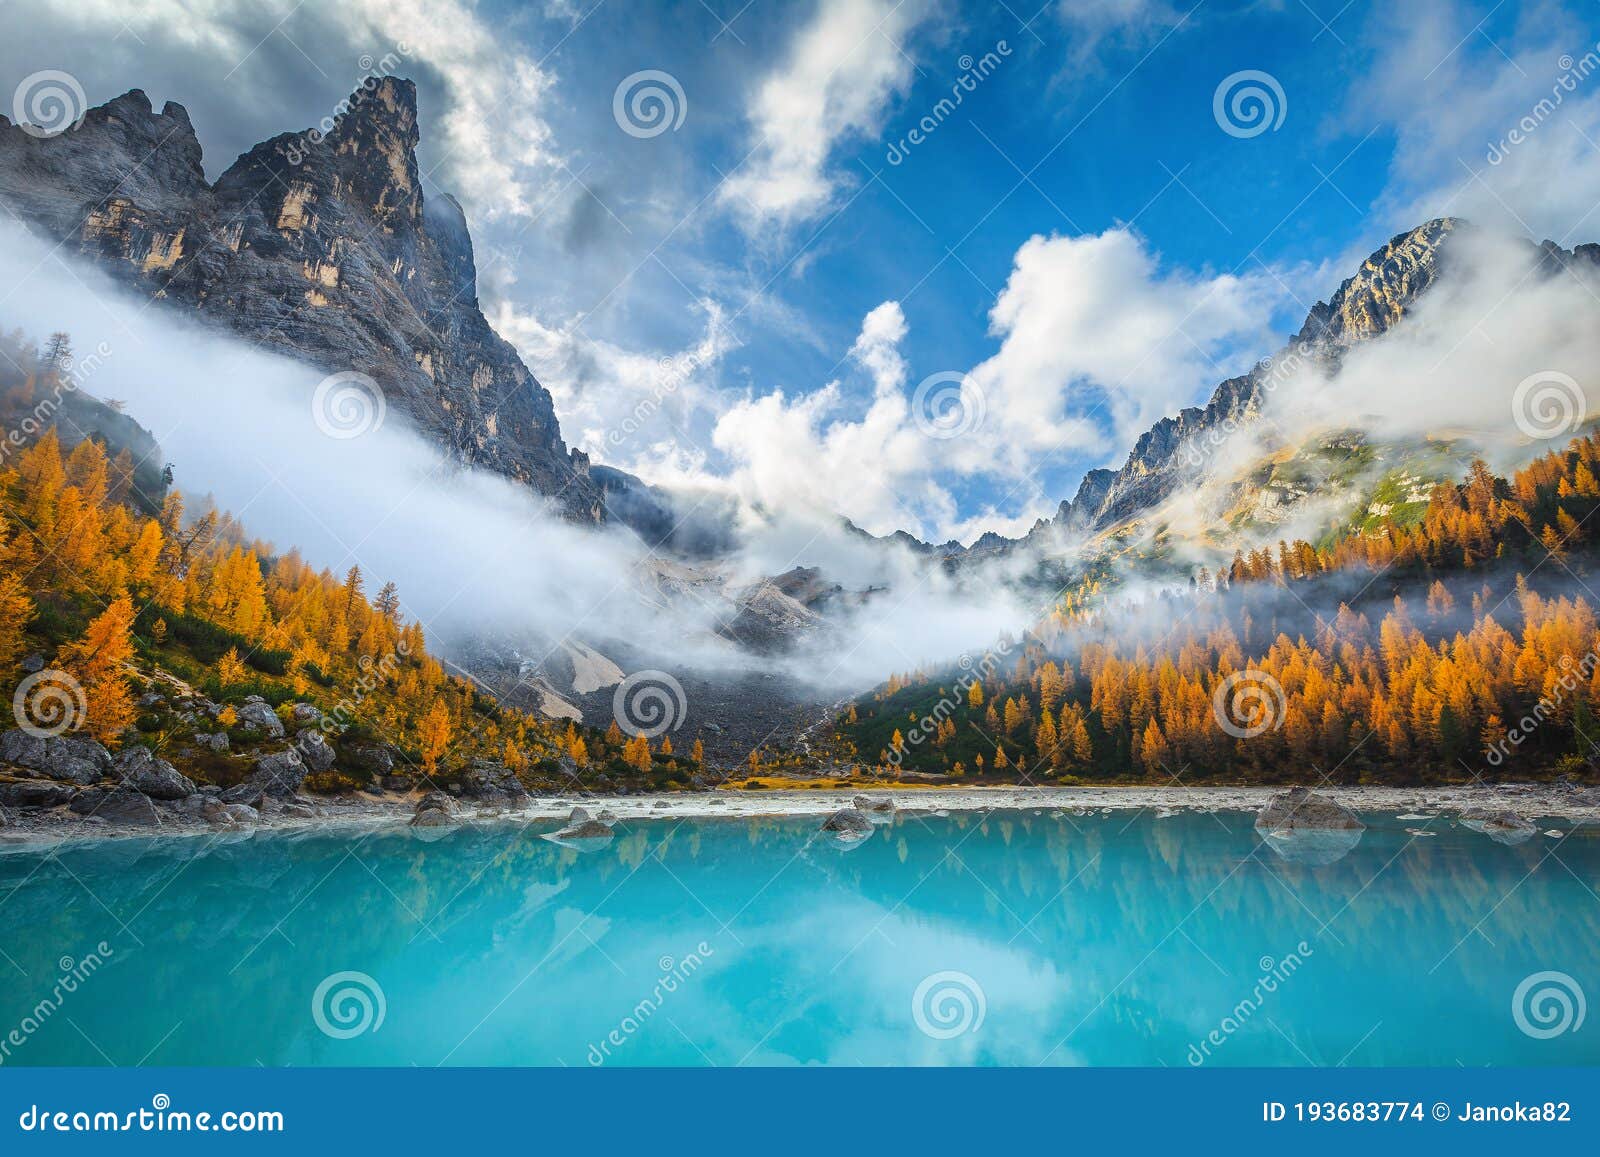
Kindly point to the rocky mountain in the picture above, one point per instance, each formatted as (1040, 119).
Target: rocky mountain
(1175, 450)
(325, 249)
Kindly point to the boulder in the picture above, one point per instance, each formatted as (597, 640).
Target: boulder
(488, 779)
(139, 769)
(377, 758)
(71, 758)
(848, 820)
(305, 714)
(31, 664)
(150, 699)
(256, 714)
(582, 832)
(314, 750)
(118, 805)
(36, 793)
(243, 793)
(437, 801)
(279, 774)
(1306, 828)
(879, 811)
(230, 815)
(397, 782)
(1503, 827)
(1300, 807)
(216, 741)
(848, 827)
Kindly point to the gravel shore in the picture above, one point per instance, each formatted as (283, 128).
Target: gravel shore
(1531, 801)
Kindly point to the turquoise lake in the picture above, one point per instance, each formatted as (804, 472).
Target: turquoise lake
(1011, 938)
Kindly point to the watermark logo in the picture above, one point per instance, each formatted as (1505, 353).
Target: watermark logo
(48, 103)
(48, 703)
(1274, 974)
(1548, 1004)
(648, 703)
(1548, 404)
(674, 974)
(1249, 103)
(297, 148)
(948, 1004)
(72, 974)
(347, 1004)
(1573, 74)
(649, 103)
(947, 405)
(973, 73)
(348, 405)
(1249, 703)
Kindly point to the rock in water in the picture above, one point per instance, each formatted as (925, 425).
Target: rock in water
(879, 811)
(1503, 827)
(848, 827)
(582, 833)
(1306, 828)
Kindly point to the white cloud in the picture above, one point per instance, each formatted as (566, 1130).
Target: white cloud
(842, 70)
(255, 62)
(1454, 103)
(639, 411)
(1094, 24)
(1094, 323)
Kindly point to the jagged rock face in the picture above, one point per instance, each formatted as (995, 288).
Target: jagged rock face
(1364, 307)
(338, 259)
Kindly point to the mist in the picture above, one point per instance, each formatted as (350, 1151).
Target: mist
(474, 555)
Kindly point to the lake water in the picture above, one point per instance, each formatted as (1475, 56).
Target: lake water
(1011, 938)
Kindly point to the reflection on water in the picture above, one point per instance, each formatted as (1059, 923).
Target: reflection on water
(1007, 938)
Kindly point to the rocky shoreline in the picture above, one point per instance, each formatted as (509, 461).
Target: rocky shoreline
(1508, 813)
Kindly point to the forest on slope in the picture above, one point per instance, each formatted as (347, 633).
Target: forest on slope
(1463, 644)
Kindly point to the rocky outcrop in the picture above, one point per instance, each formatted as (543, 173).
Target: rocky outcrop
(327, 251)
(314, 750)
(279, 774)
(848, 827)
(138, 768)
(70, 758)
(118, 805)
(256, 714)
(487, 779)
(41, 793)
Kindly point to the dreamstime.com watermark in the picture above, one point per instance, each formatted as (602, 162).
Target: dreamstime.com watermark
(672, 373)
(160, 1117)
(1274, 974)
(674, 974)
(1548, 1004)
(1249, 703)
(296, 149)
(948, 1004)
(374, 672)
(73, 975)
(649, 703)
(1573, 675)
(71, 374)
(973, 73)
(928, 726)
(1573, 74)
(1271, 373)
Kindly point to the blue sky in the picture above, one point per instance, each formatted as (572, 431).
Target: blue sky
(1080, 246)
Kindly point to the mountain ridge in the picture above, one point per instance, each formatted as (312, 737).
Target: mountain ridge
(323, 248)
